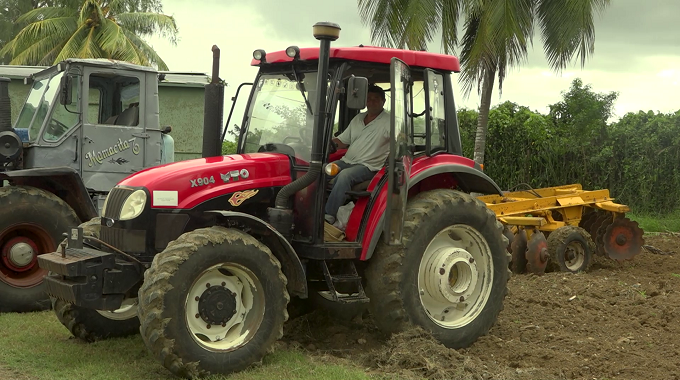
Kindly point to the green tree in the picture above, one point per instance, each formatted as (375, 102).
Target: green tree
(114, 29)
(496, 36)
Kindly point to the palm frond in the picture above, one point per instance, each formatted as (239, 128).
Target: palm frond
(35, 53)
(130, 6)
(511, 22)
(73, 45)
(61, 27)
(45, 13)
(146, 23)
(568, 30)
(91, 12)
(90, 46)
(146, 53)
(450, 11)
(386, 21)
(111, 37)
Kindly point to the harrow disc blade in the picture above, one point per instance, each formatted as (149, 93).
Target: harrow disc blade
(537, 253)
(623, 239)
(588, 220)
(518, 248)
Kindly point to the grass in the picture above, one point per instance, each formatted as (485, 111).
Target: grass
(35, 346)
(658, 223)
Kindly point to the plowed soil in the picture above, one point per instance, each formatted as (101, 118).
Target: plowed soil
(616, 321)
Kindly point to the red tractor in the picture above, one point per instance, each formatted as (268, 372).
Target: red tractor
(204, 256)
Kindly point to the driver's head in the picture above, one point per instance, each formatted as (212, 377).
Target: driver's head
(375, 100)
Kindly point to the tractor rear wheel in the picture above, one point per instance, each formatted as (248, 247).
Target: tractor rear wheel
(32, 223)
(571, 249)
(212, 302)
(449, 277)
(92, 325)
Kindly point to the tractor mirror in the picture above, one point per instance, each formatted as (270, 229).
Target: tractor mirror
(357, 92)
(65, 94)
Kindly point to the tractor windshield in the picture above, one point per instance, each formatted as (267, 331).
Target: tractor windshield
(280, 113)
(38, 104)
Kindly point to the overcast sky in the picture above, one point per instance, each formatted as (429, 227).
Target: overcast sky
(637, 48)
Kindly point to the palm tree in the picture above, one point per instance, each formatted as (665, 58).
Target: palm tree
(112, 29)
(496, 36)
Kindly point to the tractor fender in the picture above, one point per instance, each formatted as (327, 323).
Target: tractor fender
(64, 182)
(280, 247)
(470, 179)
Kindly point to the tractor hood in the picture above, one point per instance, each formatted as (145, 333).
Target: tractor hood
(186, 184)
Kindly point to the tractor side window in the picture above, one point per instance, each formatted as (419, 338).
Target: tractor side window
(419, 132)
(113, 100)
(64, 118)
(438, 122)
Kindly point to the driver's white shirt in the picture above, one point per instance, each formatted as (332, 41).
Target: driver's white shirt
(368, 144)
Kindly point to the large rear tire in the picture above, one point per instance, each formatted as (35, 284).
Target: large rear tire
(31, 224)
(92, 325)
(450, 277)
(212, 302)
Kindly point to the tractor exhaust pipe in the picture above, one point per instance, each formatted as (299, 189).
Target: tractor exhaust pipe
(213, 110)
(281, 216)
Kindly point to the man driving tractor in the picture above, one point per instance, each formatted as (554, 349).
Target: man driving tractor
(367, 142)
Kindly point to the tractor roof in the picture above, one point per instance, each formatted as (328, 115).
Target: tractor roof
(374, 54)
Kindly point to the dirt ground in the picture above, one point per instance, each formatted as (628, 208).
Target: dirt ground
(617, 321)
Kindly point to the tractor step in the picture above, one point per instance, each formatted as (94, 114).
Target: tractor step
(349, 276)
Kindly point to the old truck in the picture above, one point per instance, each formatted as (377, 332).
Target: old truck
(205, 256)
(84, 126)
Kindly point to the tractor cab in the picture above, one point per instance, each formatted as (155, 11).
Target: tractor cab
(419, 101)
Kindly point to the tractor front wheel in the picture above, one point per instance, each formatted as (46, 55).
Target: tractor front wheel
(212, 302)
(32, 223)
(449, 277)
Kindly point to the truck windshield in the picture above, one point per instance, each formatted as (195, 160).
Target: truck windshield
(279, 114)
(38, 105)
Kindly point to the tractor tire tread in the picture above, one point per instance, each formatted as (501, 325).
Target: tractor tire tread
(387, 305)
(155, 286)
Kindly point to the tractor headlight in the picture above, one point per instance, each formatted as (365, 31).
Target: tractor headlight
(133, 206)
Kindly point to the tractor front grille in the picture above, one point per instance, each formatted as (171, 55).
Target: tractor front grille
(114, 204)
(127, 240)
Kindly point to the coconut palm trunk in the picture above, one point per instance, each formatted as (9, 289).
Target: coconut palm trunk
(483, 117)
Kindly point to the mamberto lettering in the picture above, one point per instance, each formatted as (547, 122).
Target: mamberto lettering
(123, 145)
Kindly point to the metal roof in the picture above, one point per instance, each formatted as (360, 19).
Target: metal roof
(172, 78)
(375, 54)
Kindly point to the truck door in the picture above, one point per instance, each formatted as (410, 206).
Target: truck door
(113, 144)
(400, 156)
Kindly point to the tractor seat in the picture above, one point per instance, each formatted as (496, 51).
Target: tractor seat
(129, 117)
(357, 191)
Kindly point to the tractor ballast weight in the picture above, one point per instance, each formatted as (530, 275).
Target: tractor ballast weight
(211, 251)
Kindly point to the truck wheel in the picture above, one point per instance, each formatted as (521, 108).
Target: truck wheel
(449, 277)
(212, 302)
(91, 325)
(571, 249)
(32, 223)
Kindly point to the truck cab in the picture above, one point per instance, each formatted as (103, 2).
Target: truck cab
(98, 117)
